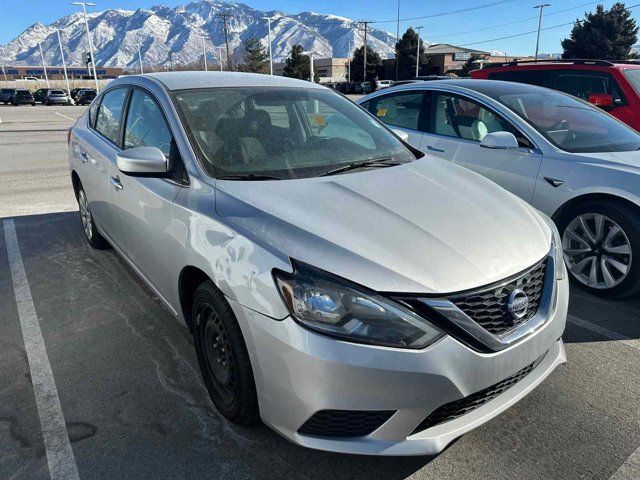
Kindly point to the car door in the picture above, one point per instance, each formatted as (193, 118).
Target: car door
(401, 110)
(456, 128)
(96, 149)
(142, 205)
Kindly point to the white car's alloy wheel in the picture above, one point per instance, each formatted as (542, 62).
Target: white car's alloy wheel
(597, 251)
(85, 215)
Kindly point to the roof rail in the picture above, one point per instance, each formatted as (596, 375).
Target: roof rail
(602, 63)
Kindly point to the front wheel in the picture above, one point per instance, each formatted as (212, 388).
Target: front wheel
(91, 233)
(601, 243)
(223, 357)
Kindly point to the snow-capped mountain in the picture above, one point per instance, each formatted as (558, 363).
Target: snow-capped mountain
(177, 31)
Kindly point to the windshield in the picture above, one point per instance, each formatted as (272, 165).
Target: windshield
(570, 124)
(56, 92)
(282, 132)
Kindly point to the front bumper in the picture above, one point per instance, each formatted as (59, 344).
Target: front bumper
(299, 372)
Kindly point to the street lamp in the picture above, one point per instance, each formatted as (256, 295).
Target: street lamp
(270, 53)
(204, 53)
(4, 53)
(139, 58)
(44, 66)
(541, 7)
(84, 6)
(64, 64)
(310, 55)
(418, 52)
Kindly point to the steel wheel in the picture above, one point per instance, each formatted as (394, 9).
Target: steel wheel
(85, 215)
(597, 251)
(219, 357)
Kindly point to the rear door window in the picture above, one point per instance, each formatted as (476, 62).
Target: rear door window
(583, 83)
(401, 109)
(531, 77)
(110, 114)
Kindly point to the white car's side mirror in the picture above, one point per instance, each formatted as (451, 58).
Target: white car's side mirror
(404, 136)
(499, 140)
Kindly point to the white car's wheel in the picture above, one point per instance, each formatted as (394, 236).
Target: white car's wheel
(601, 244)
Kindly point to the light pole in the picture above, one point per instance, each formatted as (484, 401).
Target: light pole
(541, 7)
(220, 57)
(4, 53)
(418, 52)
(270, 53)
(64, 64)
(398, 40)
(84, 6)
(310, 55)
(44, 66)
(139, 58)
(204, 54)
(349, 63)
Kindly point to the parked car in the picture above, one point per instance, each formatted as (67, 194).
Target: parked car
(384, 84)
(6, 94)
(41, 95)
(572, 161)
(85, 96)
(57, 97)
(366, 87)
(612, 86)
(22, 97)
(74, 93)
(330, 283)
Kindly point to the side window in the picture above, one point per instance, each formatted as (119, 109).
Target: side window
(146, 125)
(581, 84)
(110, 114)
(399, 109)
(531, 77)
(463, 118)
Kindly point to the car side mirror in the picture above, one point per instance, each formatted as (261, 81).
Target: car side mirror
(602, 100)
(142, 161)
(499, 141)
(404, 136)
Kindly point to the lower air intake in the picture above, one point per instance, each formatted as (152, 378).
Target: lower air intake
(344, 423)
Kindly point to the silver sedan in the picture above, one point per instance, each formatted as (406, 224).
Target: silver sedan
(350, 292)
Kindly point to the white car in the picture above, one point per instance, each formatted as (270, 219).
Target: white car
(382, 84)
(570, 160)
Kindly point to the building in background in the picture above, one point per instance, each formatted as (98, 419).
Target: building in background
(445, 58)
(57, 73)
(328, 69)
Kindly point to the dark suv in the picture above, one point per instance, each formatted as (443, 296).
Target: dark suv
(6, 94)
(613, 86)
(85, 96)
(21, 97)
(41, 95)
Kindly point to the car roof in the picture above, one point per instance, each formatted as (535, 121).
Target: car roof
(486, 87)
(190, 80)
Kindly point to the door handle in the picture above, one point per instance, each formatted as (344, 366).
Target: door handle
(83, 157)
(434, 149)
(115, 181)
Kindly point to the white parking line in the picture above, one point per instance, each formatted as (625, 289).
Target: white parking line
(62, 463)
(610, 334)
(61, 115)
(630, 470)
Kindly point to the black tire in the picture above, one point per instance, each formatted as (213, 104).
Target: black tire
(33, 104)
(628, 219)
(223, 357)
(91, 233)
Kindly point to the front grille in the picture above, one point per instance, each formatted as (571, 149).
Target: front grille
(457, 408)
(488, 307)
(344, 423)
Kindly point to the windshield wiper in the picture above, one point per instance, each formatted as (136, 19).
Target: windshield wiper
(375, 163)
(248, 176)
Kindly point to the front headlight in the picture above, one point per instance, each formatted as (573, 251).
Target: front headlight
(556, 244)
(335, 307)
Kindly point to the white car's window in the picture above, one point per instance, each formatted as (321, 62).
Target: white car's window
(146, 125)
(398, 109)
(282, 132)
(463, 118)
(110, 114)
(570, 124)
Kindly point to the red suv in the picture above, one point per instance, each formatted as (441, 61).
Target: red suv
(612, 86)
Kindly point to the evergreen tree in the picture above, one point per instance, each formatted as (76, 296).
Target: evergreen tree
(605, 34)
(469, 65)
(357, 64)
(406, 55)
(297, 65)
(256, 57)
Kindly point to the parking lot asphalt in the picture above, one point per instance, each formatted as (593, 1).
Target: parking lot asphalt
(132, 397)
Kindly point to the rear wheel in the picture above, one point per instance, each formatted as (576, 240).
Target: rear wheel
(223, 357)
(601, 243)
(95, 239)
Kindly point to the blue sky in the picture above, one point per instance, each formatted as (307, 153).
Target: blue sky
(459, 28)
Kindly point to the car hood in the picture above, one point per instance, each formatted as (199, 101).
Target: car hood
(425, 227)
(614, 159)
